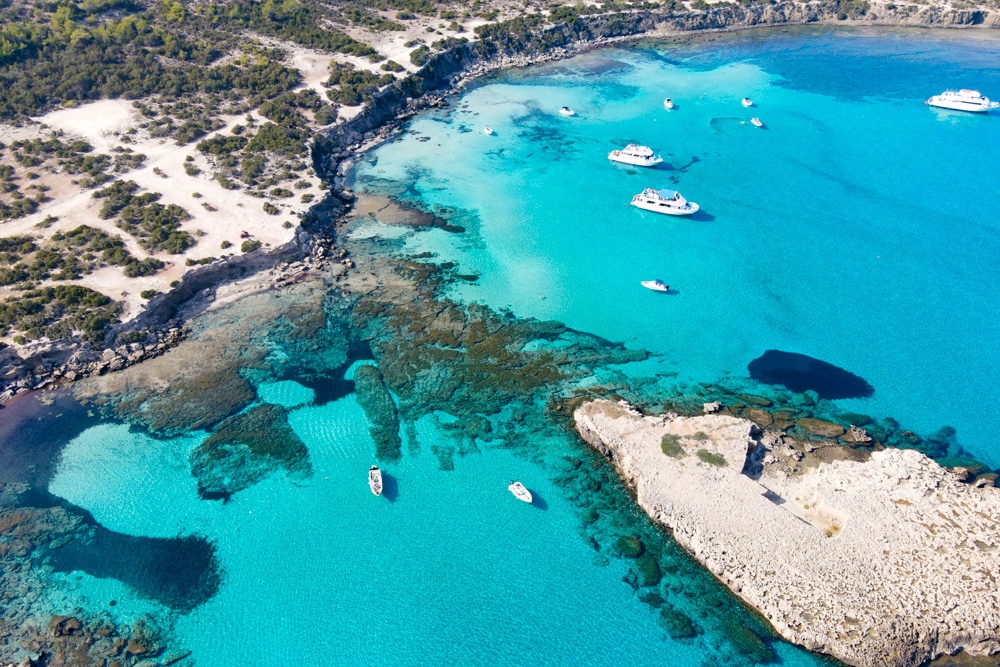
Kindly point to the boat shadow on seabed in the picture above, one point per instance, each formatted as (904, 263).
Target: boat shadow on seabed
(390, 487)
(537, 500)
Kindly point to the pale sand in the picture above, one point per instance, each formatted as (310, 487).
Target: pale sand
(99, 123)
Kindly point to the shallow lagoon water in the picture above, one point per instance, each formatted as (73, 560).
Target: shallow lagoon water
(859, 227)
(825, 234)
(448, 568)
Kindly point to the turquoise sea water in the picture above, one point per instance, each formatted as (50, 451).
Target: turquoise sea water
(859, 228)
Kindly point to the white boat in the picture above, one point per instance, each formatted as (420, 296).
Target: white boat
(756, 122)
(519, 491)
(640, 156)
(668, 104)
(655, 285)
(375, 480)
(962, 100)
(747, 102)
(566, 111)
(669, 202)
(487, 130)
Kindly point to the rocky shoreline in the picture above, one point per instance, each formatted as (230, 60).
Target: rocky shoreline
(883, 561)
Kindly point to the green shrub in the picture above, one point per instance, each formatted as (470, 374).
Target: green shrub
(671, 445)
(225, 245)
(250, 245)
(148, 293)
(711, 458)
(420, 55)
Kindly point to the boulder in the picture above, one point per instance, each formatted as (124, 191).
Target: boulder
(818, 427)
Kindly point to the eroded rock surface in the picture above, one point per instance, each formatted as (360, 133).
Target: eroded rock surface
(890, 561)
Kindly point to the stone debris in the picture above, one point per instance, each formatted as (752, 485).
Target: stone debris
(891, 562)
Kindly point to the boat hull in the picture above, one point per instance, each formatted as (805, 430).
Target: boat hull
(655, 286)
(956, 105)
(375, 481)
(688, 208)
(520, 492)
(635, 161)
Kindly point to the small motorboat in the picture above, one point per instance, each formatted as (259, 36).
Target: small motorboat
(668, 104)
(566, 111)
(756, 122)
(488, 130)
(375, 480)
(962, 100)
(746, 102)
(519, 491)
(655, 285)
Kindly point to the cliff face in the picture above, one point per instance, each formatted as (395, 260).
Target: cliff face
(891, 561)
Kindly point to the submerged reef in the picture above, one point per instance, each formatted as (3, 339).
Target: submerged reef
(246, 448)
(253, 343)
(33, 635)
(886, 561)
(376, 401)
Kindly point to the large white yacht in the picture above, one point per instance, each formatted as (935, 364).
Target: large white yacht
(640, 156)
(669, 202)
(962, 100)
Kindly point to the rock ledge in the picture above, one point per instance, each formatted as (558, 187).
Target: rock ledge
(892, 561)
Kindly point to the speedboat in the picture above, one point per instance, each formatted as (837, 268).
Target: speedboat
(747, 102)
(655, 285)
(519, 491)
(375, 480)
(487, 130)
(566, 111)
(668, 104)
(962, 100)
(756, 122)
(669, 202)
(640, 156)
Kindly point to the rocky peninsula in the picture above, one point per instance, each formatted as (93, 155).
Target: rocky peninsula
(886, 561)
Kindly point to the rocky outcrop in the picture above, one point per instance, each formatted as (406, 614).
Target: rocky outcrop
(376, 401)
(246, 448)
(890, 561)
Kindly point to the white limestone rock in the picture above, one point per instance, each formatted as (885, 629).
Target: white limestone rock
(889, 562)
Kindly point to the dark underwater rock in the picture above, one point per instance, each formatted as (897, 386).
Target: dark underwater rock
(801, 373)
(749, 644)
(380, 409)
(246, 448)
(648, 570)
(629, 547)
(677, 624)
